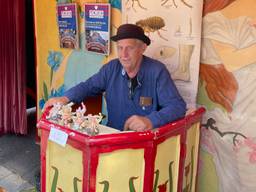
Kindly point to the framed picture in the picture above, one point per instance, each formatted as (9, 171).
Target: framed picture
(68, 26)
(97, 33)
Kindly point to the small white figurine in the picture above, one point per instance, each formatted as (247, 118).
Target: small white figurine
(54, 112)
(92, 128)
(99, 118)
(66, 115)
(91, 123)
(63, 115)
(79, 117)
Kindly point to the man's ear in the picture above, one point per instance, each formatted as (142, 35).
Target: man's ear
(144, 47)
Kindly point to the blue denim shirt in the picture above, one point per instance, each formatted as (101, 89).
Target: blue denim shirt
(154, 82)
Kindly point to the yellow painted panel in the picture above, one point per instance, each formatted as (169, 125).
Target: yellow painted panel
(208, 178)
(191, 157)
(168, 154)
(69, 163)
(118, 167)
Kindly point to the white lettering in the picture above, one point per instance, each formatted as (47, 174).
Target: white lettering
(66, 14)
(96, 14)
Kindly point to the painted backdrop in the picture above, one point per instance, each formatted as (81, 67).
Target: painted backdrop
(228, 89)
(174, 28)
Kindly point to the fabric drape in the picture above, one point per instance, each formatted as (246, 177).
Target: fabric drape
(12, 67)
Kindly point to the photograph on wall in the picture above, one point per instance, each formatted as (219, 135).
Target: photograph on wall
(97, 18)
(67, 23)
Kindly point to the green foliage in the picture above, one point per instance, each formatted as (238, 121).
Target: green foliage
(45, 91)
(156, 180)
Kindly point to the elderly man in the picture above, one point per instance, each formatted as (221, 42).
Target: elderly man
(140, 93)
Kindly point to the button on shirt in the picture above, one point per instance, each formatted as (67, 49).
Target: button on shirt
(154, 83)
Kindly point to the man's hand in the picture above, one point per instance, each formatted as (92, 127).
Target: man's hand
(62, 100)
(137, 123)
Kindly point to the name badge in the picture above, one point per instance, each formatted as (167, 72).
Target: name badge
(145, 101)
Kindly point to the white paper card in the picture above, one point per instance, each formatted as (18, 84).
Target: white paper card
(58, 136)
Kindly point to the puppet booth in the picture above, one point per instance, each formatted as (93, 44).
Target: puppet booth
(162, 159)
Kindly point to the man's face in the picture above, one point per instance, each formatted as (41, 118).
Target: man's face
(130, 53)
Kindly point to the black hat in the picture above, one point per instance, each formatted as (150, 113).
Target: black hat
(127, 31)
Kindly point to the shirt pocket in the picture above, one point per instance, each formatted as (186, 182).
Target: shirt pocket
(145, 105)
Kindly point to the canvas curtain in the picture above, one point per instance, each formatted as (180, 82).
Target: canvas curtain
(12, 67)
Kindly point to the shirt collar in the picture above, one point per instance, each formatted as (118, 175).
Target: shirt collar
(140, 73)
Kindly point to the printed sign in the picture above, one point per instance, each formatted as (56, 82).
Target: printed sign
(58, 136)
(97, 18)
(67, 23)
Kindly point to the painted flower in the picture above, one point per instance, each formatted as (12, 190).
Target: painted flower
(57, 93)
(252, 156)
(41, 103)
(250, 143)
(54, 93)
(163, 187)
(115, 4)
(54, 59)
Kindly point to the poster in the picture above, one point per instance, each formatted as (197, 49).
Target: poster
(67, 23)
(97, 18)
(174, 28)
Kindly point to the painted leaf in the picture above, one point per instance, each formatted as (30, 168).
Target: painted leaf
(75, 180)
(192, 168)
(45, 91)
(170, 177)
(55, 179)
(156, 180)
(131, 184)
(106, 185)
